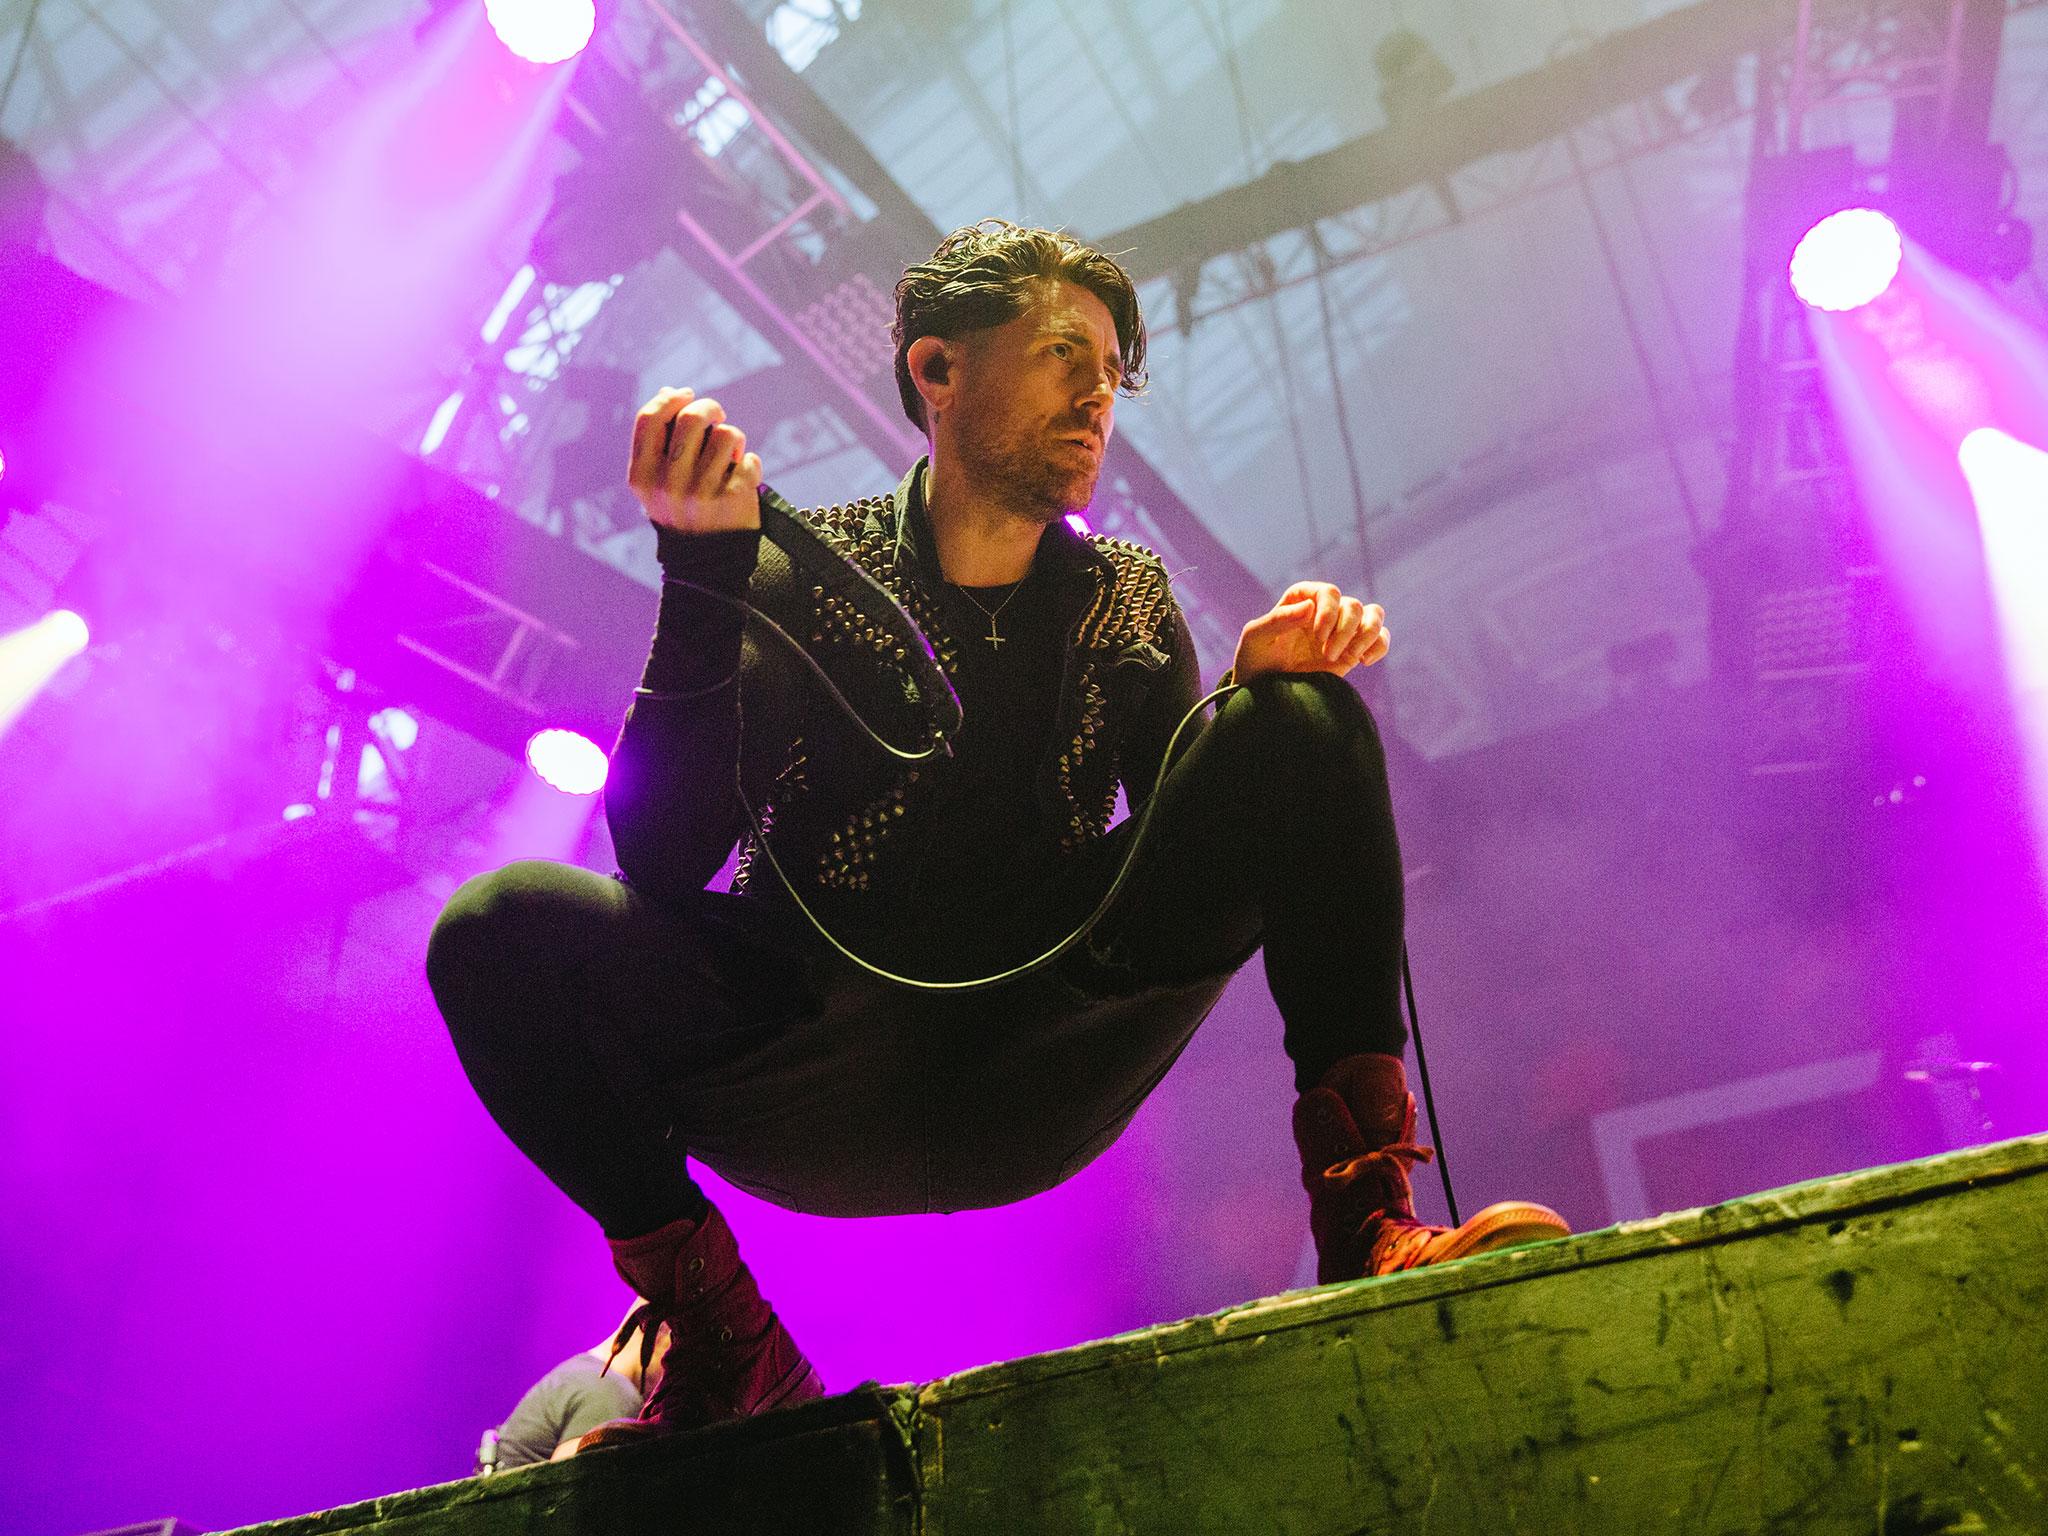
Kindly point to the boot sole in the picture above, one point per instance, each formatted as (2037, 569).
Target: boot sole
(1504, 1224)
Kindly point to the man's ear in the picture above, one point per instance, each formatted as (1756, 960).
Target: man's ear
(933, 368)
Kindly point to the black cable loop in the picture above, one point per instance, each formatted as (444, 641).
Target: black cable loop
(1123, 872)
(779, 523)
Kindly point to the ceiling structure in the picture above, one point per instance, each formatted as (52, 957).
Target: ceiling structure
(1514, 378)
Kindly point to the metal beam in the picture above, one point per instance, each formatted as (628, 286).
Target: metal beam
(1515, 114)
(859, 270)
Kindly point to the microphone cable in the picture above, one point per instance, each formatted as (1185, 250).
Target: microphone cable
(925, 682)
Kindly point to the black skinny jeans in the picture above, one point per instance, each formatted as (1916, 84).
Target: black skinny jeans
(609, 1036)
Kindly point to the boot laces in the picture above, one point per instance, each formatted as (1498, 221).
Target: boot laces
(1402, 1154)
(1397, 1240)
(647, 1319)
(1400, 1240)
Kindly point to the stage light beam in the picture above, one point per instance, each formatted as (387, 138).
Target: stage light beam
(30, 657)
(1846, 260)
(574, 764)
(2005, 473)
(2009, 484)
(543, 31)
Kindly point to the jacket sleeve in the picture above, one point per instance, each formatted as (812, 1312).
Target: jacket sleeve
(1172, 693)
(669, 799)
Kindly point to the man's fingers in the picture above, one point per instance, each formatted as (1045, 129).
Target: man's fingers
(1370, 647)
(1363, 648)
(1350, 620)
(720, 458)
(686, 440)
(1329, 614)
(689, 466)
(650, 436)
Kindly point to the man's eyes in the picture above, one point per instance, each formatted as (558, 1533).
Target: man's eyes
(1066, 349)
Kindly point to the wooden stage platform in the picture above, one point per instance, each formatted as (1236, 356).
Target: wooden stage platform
(1863, 1354)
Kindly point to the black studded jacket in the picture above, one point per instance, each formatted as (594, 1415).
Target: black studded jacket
(844, 819)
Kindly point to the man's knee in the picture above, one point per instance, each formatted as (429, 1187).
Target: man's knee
(503, 924)
(1317, 714)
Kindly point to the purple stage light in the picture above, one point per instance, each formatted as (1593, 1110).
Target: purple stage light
(543, 31)
(2009, 483)
(573, 764)
(1847, 259)
(2004, 472)
(68, 633)
(30, 657)
(1078, 523)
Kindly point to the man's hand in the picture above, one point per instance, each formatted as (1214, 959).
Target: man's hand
(689, 470)
(1313, 628)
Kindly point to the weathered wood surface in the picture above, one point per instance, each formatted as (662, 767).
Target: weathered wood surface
(838, 1466)
(1867, 1354)
(1860, 1354)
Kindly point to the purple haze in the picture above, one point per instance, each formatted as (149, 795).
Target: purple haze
(266, 1252)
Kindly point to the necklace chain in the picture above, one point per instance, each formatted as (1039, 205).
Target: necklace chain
(994, 640)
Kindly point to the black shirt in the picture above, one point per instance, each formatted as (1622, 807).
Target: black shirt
(966, 854)
(980, 832)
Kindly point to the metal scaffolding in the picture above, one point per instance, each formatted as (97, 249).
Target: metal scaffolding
(1795, 584)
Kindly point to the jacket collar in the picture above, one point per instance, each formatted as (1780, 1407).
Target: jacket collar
(1073, 563)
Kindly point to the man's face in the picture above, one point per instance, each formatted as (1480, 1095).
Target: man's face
(1038, 399)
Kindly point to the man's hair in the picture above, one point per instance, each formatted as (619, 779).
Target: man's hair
(983, 275)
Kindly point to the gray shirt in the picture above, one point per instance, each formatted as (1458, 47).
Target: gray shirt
(570, 1399)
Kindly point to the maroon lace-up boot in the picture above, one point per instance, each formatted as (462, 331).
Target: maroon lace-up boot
(1356, 1132)
(728, 1356)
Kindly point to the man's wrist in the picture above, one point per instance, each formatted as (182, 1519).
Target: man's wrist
(705, 578)
(724, 558)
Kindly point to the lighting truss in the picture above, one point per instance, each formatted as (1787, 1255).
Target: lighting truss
(1848, 71)
(1469, 194)
(804, 249)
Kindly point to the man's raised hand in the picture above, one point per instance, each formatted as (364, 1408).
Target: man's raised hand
(691, 471)
(1313, 628)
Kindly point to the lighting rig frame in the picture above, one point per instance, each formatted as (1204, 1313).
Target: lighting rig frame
(1795, 584)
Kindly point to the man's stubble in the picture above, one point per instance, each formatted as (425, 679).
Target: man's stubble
(1012, 465)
